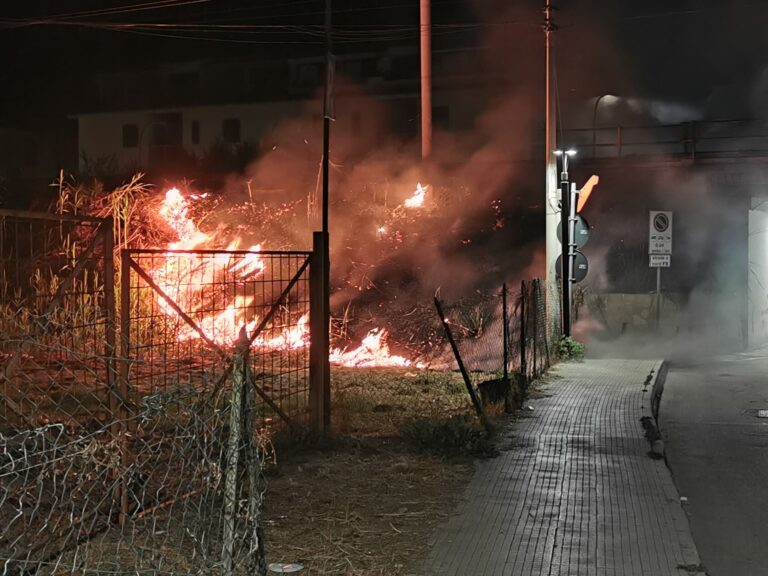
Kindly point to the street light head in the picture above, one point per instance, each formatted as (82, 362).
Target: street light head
(569, 152)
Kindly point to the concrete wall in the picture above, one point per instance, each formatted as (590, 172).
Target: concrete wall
(757, 319)
(632, 313)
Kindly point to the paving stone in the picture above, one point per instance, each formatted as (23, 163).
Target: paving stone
(574, 491)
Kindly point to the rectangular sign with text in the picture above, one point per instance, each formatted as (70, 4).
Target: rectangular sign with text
(659, 260)
(660, 233)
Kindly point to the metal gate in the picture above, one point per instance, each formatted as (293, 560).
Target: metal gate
(57, 321)
(146, 461)
(57, 384)
(186, 311)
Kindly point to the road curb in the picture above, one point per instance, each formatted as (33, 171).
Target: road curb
(654, 384)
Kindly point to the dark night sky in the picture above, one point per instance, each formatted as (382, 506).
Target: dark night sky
(674, 50)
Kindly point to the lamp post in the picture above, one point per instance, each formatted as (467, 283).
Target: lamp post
(608, 98)
(566, 242)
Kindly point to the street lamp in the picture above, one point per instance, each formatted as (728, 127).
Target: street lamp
(567, 218)
(610, 99)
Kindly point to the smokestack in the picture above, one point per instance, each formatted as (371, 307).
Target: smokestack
(426, 79)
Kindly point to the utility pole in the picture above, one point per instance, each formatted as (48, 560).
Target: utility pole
(550, 191)
(425, 25)
(329, 114)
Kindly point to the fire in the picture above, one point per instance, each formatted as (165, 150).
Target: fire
(418, 197)
(175, 211)
(373, 352)
(292, 339)
(184, 277)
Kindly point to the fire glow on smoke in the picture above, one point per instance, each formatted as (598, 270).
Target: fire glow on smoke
(184, 277)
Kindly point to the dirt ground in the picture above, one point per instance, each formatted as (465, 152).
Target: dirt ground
(369, 503)
(366, 508)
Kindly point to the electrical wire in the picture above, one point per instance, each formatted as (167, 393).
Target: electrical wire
(129, 8)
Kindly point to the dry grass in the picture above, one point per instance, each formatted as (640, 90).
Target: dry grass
(369, 503)
(367, 508)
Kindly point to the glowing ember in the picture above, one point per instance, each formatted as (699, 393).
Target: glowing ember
(373, 352)
(417, 200)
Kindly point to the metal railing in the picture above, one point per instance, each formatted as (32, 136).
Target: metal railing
(711, 138)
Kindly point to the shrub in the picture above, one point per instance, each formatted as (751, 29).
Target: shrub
(570, 349)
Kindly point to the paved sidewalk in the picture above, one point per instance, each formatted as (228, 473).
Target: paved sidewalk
(574, 491)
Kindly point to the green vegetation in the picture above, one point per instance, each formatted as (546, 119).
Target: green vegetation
(570, 349)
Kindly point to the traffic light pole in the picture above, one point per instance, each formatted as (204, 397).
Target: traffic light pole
(573, 200)
(565, 245)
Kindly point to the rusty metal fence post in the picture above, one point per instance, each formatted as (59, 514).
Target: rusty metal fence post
(239, 376)
(505, 329)
(319, 366)
(124, 375)
(523, 358)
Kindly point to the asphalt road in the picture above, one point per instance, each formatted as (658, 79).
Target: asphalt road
(717, 449)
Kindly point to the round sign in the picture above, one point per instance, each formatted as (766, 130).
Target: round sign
(581, 231)
(661, 222)
(580, 267)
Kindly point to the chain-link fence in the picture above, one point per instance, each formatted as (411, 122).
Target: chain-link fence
(136, 446)
(502, 340)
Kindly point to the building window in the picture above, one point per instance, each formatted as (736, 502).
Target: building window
(230, 130)
(195, 132)
(130, 135)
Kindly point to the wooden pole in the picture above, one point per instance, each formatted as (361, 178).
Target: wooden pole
(426, 77)
(239, 378)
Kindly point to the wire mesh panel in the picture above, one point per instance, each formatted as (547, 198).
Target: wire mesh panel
(501, 332)
(154, 468)
(187, 310)
(215, 357)
(56, 320)
(529, 341)
(57, 336)
(477, 326)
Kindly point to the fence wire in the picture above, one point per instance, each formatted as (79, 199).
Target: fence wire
(146, 462)
(489, 351)
(187, 308)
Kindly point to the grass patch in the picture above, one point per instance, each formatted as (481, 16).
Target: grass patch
(459, 435)
(378, 402)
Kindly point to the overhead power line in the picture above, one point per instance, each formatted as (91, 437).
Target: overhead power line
(126, 9)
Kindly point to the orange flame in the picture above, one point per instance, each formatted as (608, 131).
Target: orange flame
(184, 276)
(418, 197)
(373, 352)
